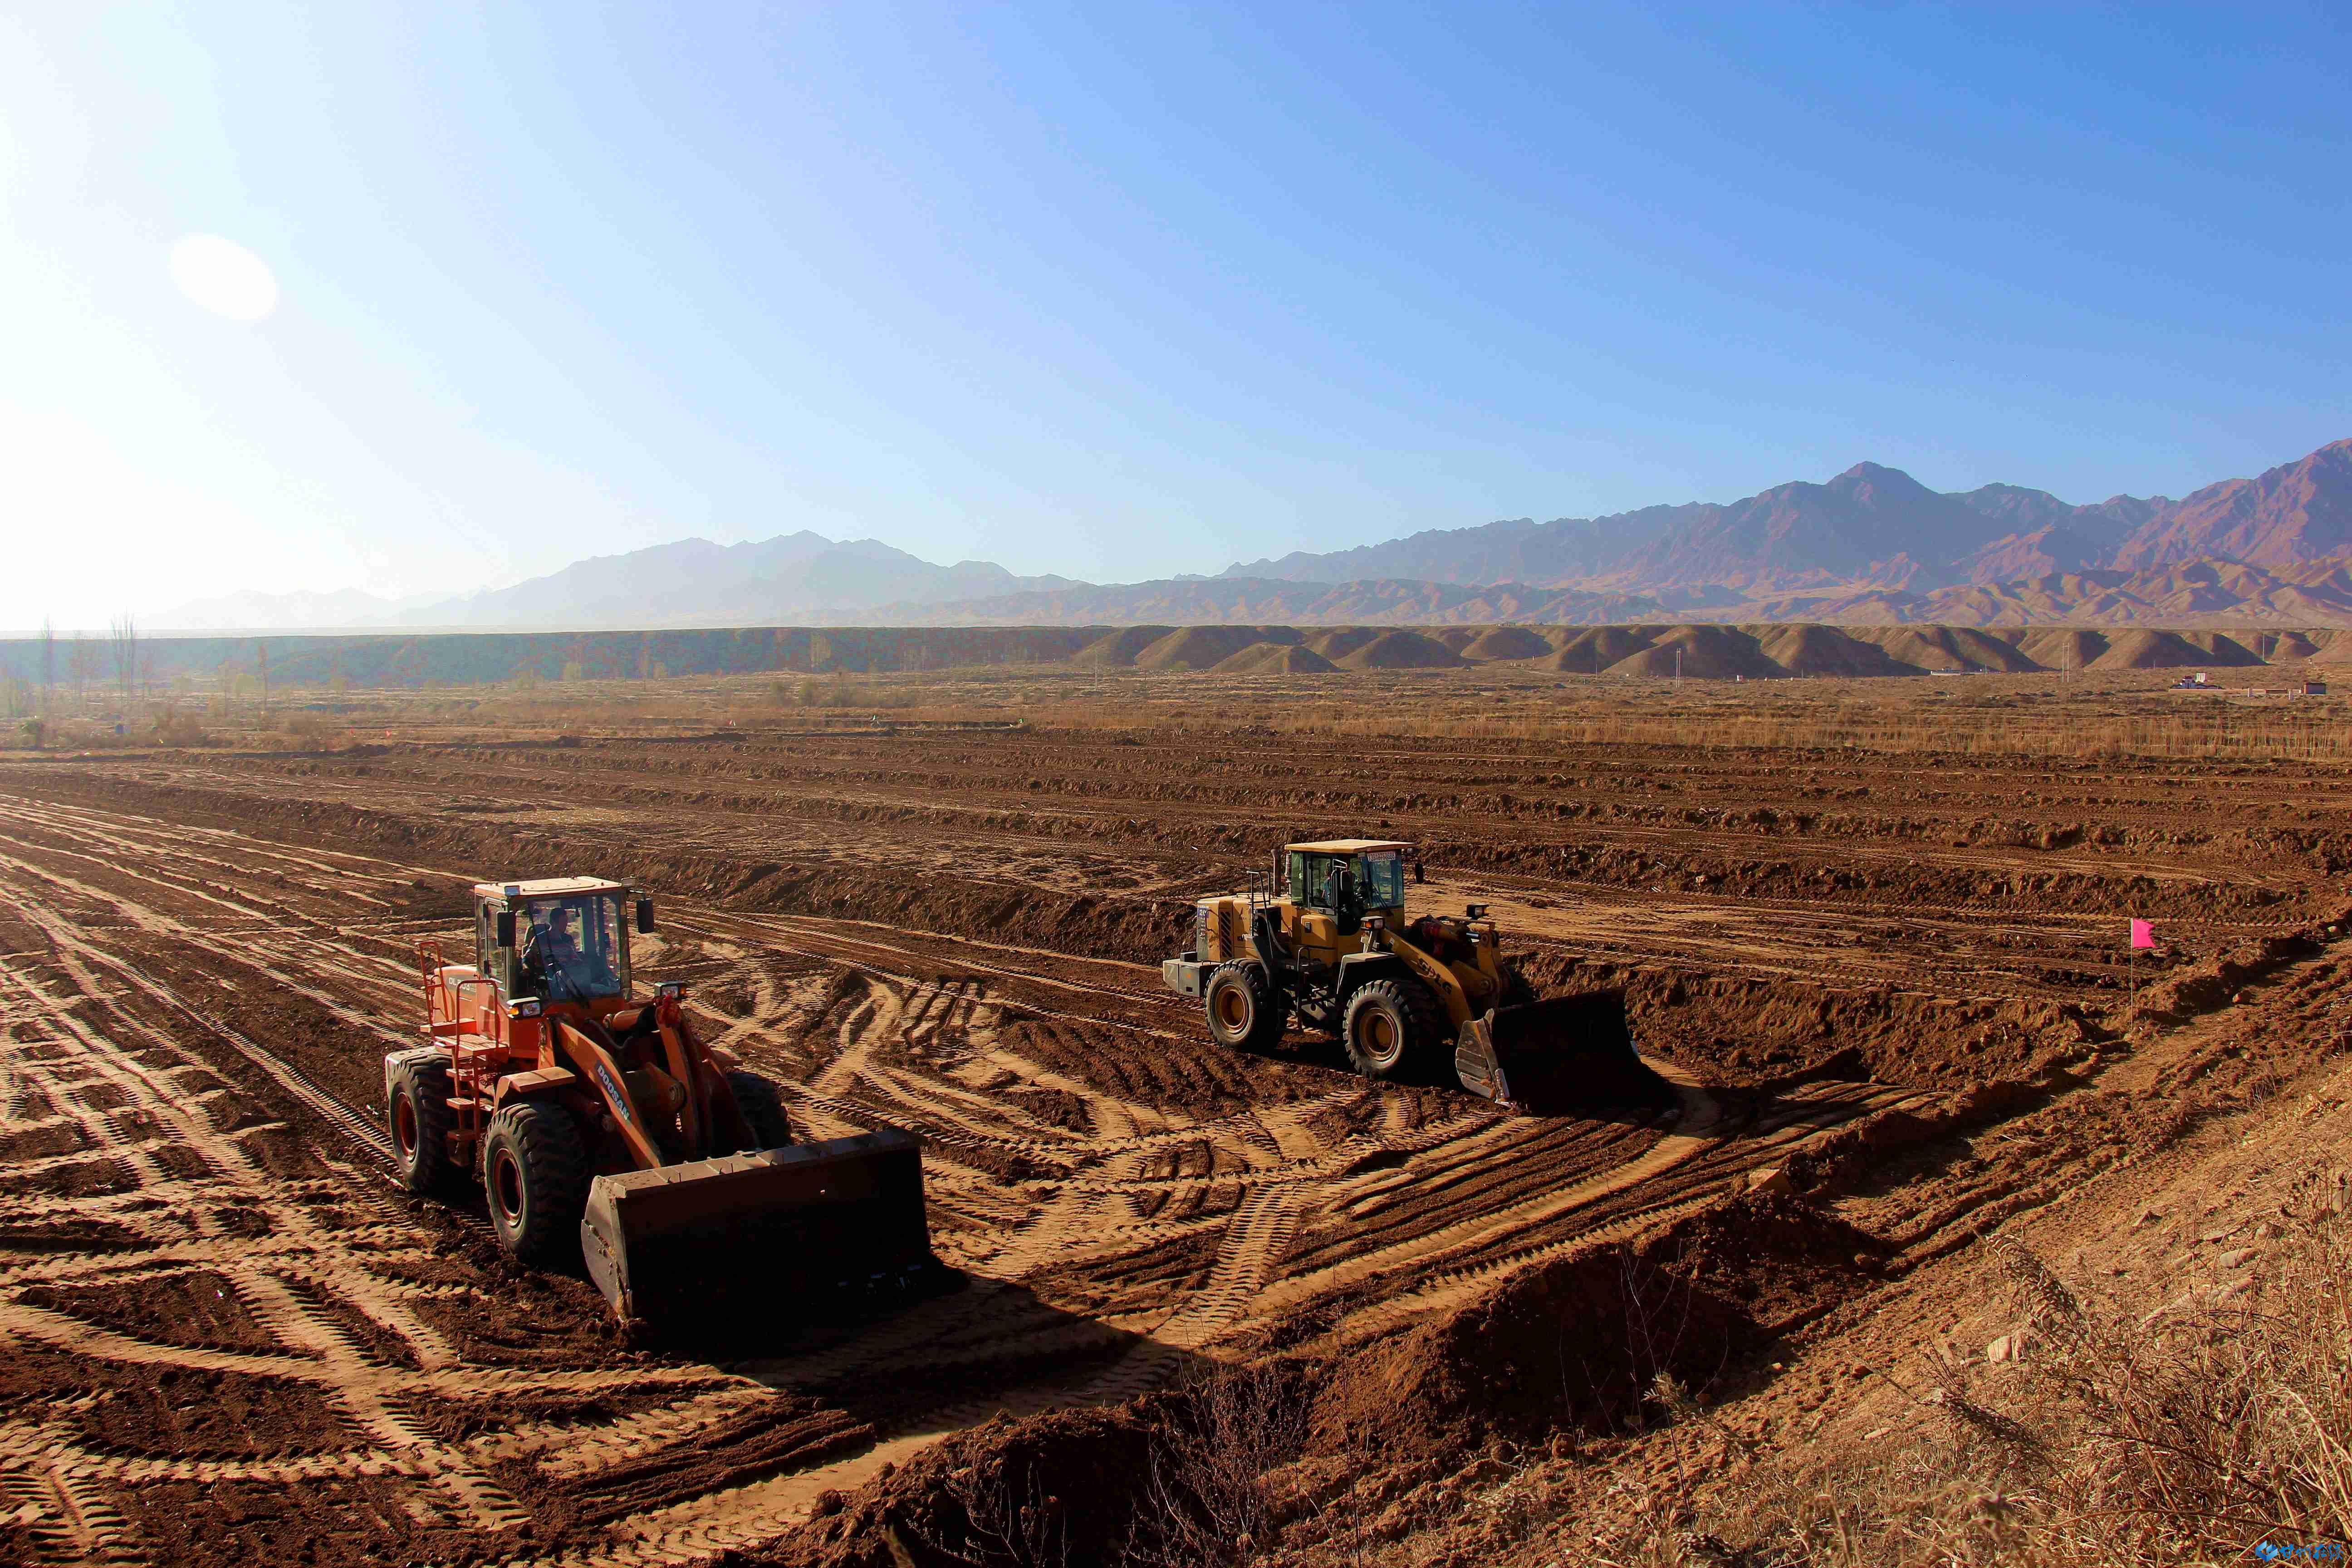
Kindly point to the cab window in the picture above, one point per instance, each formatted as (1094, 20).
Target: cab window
(1382, 876)
(572, 948)
(1312, 880)
(489, 958)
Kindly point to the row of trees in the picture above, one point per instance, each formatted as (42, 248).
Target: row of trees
(116, 659)
(87, 661)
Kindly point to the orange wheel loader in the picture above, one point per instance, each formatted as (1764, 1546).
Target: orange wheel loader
(597, 1119)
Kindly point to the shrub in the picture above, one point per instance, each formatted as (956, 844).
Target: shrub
(175, 726)
(2198, 1432)
(316, 731)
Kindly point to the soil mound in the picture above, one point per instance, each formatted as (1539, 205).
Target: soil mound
(1068, 1480)
(1340, 641)
(1952, 648)
(1826, 650)
(1745, 1029)
(1504, 642)
(1204, 647)
(1118, 651)
(2223, 648)
(1275, 659)
(1590, 651)
(1706, 652)
(1401, 650)
(1582, 1341)
(2281, 647)
(2331, 648)
(2061, 647)
(2146, 649)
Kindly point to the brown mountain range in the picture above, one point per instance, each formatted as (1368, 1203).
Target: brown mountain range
(1871, 545)
(1873, 528)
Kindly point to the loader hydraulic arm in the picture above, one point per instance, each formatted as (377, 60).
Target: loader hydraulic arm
(596, 1064)
(1439, 977)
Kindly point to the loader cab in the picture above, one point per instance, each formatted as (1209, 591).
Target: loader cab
(563, 939)
(1330, 888)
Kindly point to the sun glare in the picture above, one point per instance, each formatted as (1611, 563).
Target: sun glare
(224, 278)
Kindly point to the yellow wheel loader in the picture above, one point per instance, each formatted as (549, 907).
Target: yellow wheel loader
(599, 1125)
(1325, 940)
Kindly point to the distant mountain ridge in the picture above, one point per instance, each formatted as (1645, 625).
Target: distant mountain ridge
(1871, 545)
(791, 577)
(1874, 527)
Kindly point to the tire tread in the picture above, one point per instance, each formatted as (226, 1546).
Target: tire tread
(427, 1083)
(555, 1178)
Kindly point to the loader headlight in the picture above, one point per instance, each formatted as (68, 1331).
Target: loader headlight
(670, 988)
(525, 1009)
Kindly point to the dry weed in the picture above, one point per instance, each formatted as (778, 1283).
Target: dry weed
(2203, 1431)
(1208, 1500)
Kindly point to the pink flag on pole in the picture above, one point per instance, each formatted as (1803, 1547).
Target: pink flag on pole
(2143, 935)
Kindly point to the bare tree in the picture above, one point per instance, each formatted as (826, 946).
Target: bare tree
(48, 662)
(81, 663)
(122, 642)
(261, 660)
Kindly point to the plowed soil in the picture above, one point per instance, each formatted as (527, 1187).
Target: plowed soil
(224, 1337)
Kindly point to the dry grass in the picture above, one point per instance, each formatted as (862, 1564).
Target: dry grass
(2196, 1433)
(2026, 724)
(2035, 719)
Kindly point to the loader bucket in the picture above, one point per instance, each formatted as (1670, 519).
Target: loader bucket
(759, 1236)
(1567, 1054)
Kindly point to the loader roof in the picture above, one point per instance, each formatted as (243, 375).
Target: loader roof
(548, 887)
(1347, 846)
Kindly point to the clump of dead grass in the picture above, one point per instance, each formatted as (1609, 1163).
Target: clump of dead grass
(2196, 1432)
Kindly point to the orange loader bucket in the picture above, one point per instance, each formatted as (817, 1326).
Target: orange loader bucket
(1564, 1055)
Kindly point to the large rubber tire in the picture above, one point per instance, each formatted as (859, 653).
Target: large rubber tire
(763, 1111)
(418, 1115)
(1239, 1001)
(1391, 1025)
(535, 1179)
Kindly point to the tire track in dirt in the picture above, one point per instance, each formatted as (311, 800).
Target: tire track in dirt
(317, 1349)
(891, 1056)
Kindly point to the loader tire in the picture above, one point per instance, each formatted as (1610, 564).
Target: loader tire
(1239, 1001)
(535, 1178)
(763, 1111)
(418, 1115)
(1389, 1025)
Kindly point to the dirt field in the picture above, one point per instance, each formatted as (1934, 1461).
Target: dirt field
(226, 1338)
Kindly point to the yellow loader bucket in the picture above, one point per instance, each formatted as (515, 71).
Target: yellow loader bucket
(1566, 1054)
(760, 1233)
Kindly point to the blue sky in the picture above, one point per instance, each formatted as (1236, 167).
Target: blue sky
(1125, 291)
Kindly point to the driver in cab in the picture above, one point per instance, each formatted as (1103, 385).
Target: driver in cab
(554, 961)
(1345, 897)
